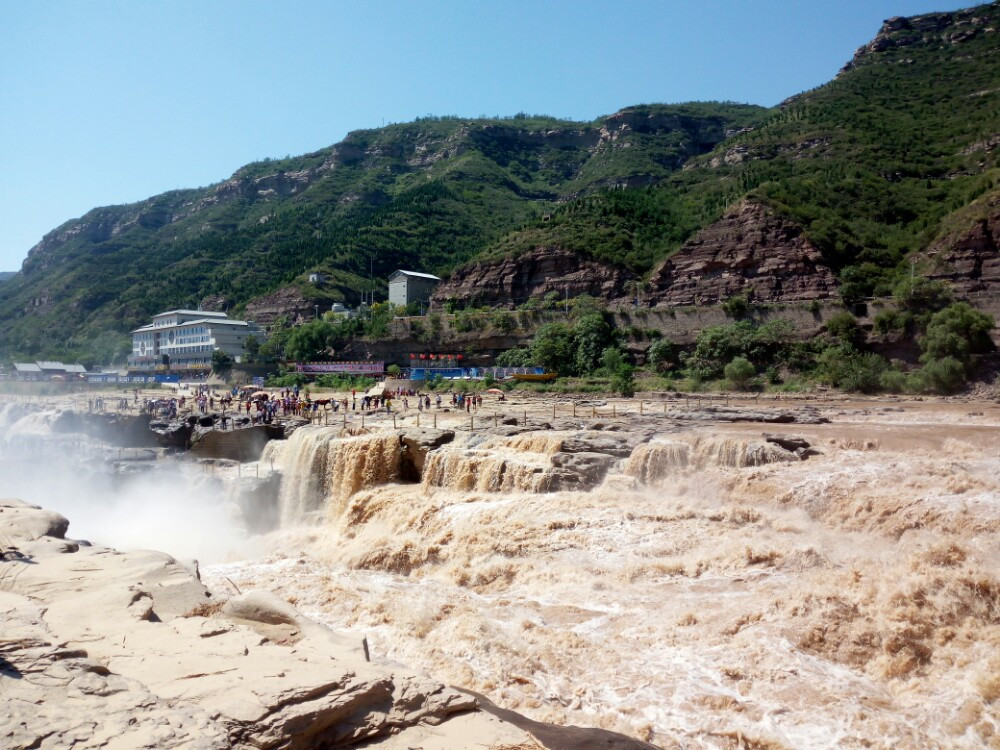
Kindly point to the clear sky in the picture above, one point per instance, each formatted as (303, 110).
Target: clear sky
(109, 102)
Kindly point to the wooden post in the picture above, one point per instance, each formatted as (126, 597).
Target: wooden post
(553, 409)
(345, 417)
(418, 419)
(614, 410)
(256, 469)
(362, 420)
(394, 421)
(496, 417)
(574, 408)
(435, 419)
(593, 411)
(472, 422)
(640, 408)
(525, 417)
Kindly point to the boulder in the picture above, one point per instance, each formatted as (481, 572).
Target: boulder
(417, 443)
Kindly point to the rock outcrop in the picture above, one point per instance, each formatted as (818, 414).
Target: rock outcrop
(752, 251)
(970, 260)
(103, 649)
(287, 302)
(512, 280)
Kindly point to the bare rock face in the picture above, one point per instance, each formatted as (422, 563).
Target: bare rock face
(750, 250)
(513, 280)
(285, 302)
(970, 261)
(103, 649)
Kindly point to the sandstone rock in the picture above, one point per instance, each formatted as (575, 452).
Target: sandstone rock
(102, 649)
(417, 443)
(750, 251)
(970, 259)
(512, 280)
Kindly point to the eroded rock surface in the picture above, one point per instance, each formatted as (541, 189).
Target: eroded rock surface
(750, 251)
(515, 279)
(104, 649)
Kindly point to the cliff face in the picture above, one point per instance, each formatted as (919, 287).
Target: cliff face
(750, 250)
(971, 259)
(512, 280)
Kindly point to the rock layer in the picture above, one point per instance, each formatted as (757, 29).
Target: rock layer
(751, 251)
(513, 280)
(970, 260)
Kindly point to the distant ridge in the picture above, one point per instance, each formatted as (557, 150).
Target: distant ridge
(4, 275)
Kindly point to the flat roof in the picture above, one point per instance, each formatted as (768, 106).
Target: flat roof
(75, 368)
(202, 313)
(417, 274)
(27, 367)
(50, 365)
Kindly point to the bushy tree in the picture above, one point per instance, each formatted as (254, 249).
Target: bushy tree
(251, 348)
(309, 341)
(222, 363)
(945, 375)
(844, 326)
(519, 357)
(920, 294)
(740, 372)
(957, 331)
(851, 370)
(592, 334)
(623, 380)
(661, 354)
(553, 348)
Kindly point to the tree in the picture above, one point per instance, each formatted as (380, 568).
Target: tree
(661, 354)
(309, 341)
(252, 348)
(393, 371)
(222, 363)
(519, 357)
(623, 380)
(592, 334)
(553, 349)
(739, 372)
(844, 326)
(957, 331)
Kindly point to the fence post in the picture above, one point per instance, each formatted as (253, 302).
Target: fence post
(525, 417)
(435, 420)
(640, 408)
(472, 422)
(614, 410)
(553, 409)
(394, 421)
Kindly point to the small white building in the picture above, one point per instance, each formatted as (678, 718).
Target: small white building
(188, 338)
(410, 286)
(317, 278)
(340, 310)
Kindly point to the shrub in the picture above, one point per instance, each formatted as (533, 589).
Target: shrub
(850, 370)
(553, 348)
(893, 381)
(946, 375)
(393, 371)
(889, 320)
(844, 326)
(592, 335)
(503, 321)
(920, 294)
(623, 380)
(612, 360)
(519, 357)
(661, 353)
(740, 372)
(957, 331)
(737, 306)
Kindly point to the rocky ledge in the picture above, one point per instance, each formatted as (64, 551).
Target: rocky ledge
(108, 649)
(751, 250)
(515, 279)
(970, 259)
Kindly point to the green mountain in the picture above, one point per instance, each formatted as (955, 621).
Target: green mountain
(874, 166)
(428, 194)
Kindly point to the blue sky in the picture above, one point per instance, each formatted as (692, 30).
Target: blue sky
(113, 101)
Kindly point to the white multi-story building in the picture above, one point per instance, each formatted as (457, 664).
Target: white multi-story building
(188, 338)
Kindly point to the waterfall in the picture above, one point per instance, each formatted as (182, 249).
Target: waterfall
(652, 462)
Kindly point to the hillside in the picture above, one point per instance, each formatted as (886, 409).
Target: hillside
(871, 167)
(858, 180)
(428, 194)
